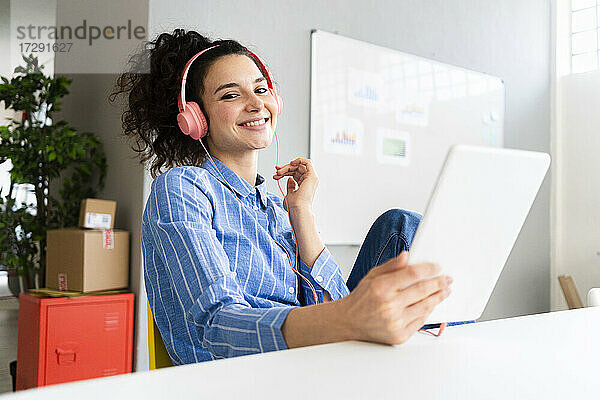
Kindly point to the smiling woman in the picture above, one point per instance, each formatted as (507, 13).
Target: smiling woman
(229, 268)
(242, 112)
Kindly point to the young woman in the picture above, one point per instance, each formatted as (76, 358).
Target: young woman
(220, 265)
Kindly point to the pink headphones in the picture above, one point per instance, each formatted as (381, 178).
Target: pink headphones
(191, 120)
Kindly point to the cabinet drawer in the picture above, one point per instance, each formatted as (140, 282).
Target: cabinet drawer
(86, 341)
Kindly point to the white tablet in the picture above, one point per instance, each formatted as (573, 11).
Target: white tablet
(474, 215)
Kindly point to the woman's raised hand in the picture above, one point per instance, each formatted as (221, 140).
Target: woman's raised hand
(393, 301)
(302, 174)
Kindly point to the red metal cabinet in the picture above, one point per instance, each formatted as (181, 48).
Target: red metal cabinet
(69, 339)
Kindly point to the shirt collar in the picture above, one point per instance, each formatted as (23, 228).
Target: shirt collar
(236, 182)
(261, 186)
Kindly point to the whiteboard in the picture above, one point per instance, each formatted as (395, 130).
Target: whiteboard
(381, 123)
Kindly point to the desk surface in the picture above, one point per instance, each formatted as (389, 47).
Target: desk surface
(550, 356)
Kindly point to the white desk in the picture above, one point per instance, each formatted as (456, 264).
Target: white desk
(544, 356)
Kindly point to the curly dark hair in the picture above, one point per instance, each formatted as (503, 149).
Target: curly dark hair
(150, 114)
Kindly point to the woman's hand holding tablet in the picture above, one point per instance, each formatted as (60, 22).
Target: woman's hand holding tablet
(393, 300)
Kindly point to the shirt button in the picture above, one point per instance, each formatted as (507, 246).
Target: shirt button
(319, 279)
(291, 290)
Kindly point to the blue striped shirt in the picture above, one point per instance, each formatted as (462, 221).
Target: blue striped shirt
(218, 283)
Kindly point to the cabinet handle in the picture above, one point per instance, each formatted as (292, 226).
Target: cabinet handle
(66, 356)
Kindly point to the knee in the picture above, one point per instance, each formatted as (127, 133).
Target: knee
(399, 221)
(398, 215)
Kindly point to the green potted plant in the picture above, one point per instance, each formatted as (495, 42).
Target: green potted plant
(49, 158)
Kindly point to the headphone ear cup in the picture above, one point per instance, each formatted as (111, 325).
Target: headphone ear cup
(202, 125)
(278, 100)
(279, 105)
(186, 121)
(192, 122)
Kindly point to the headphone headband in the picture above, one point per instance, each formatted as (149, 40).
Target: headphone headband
(181, 98)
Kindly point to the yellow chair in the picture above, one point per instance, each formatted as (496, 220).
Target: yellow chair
(159, 357)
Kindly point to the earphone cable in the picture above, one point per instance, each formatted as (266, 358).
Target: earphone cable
(314, 293)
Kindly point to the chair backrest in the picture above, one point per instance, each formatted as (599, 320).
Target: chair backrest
(570, 291)
(159, 357)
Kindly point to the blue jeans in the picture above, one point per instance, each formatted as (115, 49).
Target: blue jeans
(390, 234)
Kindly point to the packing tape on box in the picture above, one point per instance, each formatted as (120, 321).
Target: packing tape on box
(108, 239)
(62, 282)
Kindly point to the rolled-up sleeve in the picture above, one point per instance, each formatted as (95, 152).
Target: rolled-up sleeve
(203, 283)
(325, 274)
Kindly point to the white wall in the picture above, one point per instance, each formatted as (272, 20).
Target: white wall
(577, 241)
(16, 13)
(36, 13)
(5, 69)
(509, 39)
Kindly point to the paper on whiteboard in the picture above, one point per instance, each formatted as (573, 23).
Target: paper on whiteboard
(412, 109)
(365, 88)
(343, 135)
(393, 147)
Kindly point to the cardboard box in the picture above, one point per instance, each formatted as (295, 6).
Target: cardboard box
(87, 260)
(97, 214)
